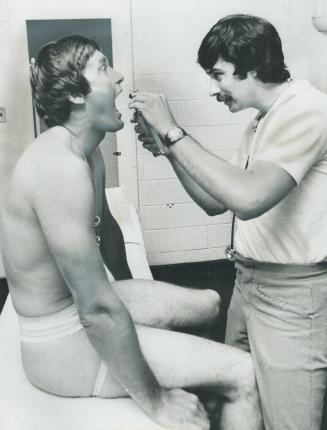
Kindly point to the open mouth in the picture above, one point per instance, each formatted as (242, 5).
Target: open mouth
(224, 98)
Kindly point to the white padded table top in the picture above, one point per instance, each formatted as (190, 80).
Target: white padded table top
(24, 407)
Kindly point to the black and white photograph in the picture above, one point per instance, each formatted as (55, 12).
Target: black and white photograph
(163, 215)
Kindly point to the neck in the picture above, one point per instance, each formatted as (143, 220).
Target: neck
(88, 139)
(268, 94)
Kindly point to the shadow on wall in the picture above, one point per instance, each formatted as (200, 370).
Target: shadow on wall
(3, 292)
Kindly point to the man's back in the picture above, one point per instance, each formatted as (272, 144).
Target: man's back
(36, 284)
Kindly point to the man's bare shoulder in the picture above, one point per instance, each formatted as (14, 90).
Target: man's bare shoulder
(51, 167)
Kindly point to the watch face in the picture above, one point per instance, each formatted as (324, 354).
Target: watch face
(175, 134)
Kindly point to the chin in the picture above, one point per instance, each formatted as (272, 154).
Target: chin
(112, 128)
(121, 125)
(234, 109)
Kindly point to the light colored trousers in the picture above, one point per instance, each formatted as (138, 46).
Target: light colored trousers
(279, 314)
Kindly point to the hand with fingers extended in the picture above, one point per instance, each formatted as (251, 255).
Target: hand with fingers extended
(151, 141)
(181, 410)
(155, 109)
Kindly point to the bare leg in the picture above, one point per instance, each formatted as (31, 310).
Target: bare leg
(180, 360)
(162, 305)
(177, 359)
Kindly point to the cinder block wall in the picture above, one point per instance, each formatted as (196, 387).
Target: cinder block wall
(165, 35)
(15, 93)
(165, 39)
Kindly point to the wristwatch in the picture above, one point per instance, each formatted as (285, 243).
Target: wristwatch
(173, 135)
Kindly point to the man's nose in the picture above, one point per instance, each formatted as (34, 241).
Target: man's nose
(119, 78)
(214, 88)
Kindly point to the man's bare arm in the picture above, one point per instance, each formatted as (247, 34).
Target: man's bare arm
(210, 205)
(247, 193)
(65, 210)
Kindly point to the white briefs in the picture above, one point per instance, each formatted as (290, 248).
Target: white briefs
(58, 325)
(49, 327)
(55, 326)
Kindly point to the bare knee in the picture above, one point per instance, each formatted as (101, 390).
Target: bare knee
(213, 305)
(243, 383)
(205, 308)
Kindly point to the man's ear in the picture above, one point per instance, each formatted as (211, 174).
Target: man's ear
(77, 99)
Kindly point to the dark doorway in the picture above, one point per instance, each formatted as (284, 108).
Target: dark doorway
(43, 31)
(40, 32)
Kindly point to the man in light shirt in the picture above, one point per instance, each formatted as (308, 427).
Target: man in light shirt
(275, 184)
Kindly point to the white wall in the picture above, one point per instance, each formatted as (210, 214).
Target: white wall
(15, 92)
(166, 36)
(161, 47)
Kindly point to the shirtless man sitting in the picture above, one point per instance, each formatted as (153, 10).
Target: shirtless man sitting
(84, 333)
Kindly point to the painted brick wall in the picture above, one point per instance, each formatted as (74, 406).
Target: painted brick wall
(5, 164)
(165, 38)
(15, 92)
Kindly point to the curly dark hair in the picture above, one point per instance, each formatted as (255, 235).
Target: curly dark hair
(250, 43)
(57, 74)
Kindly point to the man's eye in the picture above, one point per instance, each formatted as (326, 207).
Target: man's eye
(217, 75)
